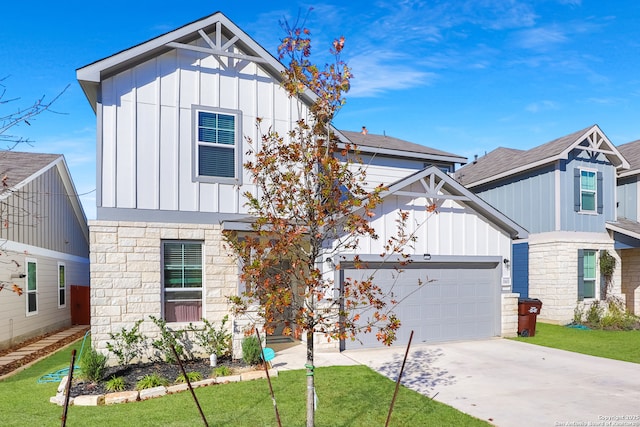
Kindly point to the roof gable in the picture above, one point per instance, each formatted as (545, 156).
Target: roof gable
(504, 162)
(17, 169)
(439, 186)
(226, 37)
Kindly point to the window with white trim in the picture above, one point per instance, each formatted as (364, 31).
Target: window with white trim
(182, 281)
(62, 285)
(217, 150)
(31, 280)
(588, 191)
(587, 268)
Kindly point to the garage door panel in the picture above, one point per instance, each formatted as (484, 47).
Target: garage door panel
(460, 302)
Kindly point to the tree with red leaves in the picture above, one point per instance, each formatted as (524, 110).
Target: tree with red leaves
(311, 204)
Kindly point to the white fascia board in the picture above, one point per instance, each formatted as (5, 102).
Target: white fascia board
(629, 172)
(407, 154)
(621, 230)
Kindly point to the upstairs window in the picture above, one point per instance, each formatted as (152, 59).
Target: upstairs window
(588, 197)
(588, 191)
(217, 152)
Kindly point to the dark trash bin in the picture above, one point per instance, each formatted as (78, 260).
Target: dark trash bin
(528, 310)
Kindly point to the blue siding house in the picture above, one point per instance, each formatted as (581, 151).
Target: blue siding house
(626, 229)
(564, 193)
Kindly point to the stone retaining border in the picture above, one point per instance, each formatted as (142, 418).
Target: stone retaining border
(134, 395)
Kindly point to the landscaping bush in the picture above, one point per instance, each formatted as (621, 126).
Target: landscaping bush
(251, 350)
(168, 338)
(150, 381)
(609, 315)
(222, 371)
(213, 340)
(92, 365)
(127, 345)
(115, 384)
(192, 376)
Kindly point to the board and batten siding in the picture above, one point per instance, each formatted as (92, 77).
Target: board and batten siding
(528, 198)
(41, 215)
(454, 230)
(627, 198)
(590, 222)
(146, 146)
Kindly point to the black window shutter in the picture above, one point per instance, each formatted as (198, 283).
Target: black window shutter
(599, 197)
(580, 274)
(576, 190)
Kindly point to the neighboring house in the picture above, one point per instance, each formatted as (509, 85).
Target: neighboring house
(626, 229)
(564, 193)
(44, 246)
(173, 115)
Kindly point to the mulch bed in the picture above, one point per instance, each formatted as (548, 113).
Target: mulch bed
(134, 373)
(40, 353)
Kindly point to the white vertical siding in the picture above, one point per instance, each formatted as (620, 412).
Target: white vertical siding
(453, 230)
(147, 147)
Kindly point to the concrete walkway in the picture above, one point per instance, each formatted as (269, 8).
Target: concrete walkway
(24, 353)
(504, 382)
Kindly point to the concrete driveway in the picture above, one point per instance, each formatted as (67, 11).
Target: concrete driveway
(510, 383)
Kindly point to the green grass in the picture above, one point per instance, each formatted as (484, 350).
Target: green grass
(347, 396)
(619, 345)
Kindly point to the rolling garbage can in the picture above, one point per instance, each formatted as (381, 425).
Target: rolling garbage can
(528, 310)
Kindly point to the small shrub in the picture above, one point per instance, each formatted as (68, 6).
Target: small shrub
(115, 384)
(251, 350)
(92, 365)
(127, 345)
(213, 340)
(222, 371)
(578, 314)
(168, 338)
(594, 313)
(192, 376)
(150, 381)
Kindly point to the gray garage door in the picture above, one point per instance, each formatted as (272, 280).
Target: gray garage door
(457, 300)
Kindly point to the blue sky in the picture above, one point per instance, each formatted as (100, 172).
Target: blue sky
(465, 76)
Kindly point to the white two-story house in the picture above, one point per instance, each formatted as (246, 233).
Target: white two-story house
(173, 114)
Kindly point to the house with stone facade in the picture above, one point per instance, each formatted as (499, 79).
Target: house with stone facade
(44, 247)
(626, 228)
(173, 114)
(564, 193)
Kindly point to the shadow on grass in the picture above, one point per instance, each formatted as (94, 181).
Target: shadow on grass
(419, 373)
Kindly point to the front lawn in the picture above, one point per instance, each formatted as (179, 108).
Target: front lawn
(619, 345)
(347, 396)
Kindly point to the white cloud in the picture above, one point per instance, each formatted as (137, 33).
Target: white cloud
(379, 71)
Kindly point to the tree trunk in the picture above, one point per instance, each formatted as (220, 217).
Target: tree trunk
(311, 391)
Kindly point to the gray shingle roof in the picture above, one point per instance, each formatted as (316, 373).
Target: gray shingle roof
(503, 160)
(390, 143)
(18, 166)
(631, 152)
(625, 226)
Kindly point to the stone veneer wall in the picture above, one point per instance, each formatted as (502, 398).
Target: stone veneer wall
(509, 315)
(631, 279)
(126, 280)
(553, 271)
